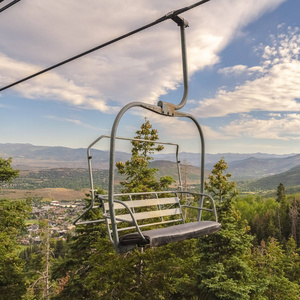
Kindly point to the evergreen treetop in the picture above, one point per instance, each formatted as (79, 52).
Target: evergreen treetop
(7, 173)
(139, 176)
(218, 184)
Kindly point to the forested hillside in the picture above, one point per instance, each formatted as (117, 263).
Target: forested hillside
(59, 178)
(290, 178)
(252, 168)
(77, 179)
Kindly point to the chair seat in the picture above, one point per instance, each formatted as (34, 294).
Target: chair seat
(163, 236)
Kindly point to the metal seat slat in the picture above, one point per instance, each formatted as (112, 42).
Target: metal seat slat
(149, 214)
(144, 203)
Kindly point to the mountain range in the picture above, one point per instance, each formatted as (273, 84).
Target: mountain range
(241, 166)
(290, 178)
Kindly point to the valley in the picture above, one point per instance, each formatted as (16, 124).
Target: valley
(61, 173)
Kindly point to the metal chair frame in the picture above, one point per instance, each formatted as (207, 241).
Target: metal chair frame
(164, 109)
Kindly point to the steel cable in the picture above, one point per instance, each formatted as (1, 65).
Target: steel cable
(168, 16)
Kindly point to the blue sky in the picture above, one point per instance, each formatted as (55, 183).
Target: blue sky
(243, 60)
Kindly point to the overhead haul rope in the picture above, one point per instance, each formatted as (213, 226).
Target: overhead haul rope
(171, 15)
(8, 5)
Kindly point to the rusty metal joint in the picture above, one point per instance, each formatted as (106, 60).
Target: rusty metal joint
(167, 108)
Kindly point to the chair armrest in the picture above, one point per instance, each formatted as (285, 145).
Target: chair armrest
(132, 216)
(195, 207)
(201, 208)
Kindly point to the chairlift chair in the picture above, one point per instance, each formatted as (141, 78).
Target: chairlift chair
(160, 212)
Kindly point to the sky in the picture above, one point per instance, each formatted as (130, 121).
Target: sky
(243, 62)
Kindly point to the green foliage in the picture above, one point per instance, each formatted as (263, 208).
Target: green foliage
(290, 179)
(272, 266)
(12, 223)
(59, 178)
(224, 270)
(280, 193)
(93, 270)
(261, 214)
(139, 177)
(218, 184)
(73, 265)
(7, 173)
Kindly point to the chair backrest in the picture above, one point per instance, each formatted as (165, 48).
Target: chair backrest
(143, 209)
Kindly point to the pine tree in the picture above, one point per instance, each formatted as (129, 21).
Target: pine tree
(218, 184)
(12, 223)
(72, 270)
(271, 270)
(224, 269)
(294, 215)
(7, 173)
(280, 193)
(139, 176)
(284, 218)
(292, 261)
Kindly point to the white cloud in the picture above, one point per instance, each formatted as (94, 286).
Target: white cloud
(276, 87)
(73, 121)
(51, 86)
(275, 115)
(141, 68)
(285, 128)
(242, 69)
(235, 70)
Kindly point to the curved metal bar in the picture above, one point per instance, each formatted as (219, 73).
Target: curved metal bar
(112, 161)
(90, 168)
(204, 195)
(112, 166)
(184, 68)
(133, 218)
(113, 136)
(178, 168)
(202, 162)
(91, 178)
(169, 108)
(75, 222)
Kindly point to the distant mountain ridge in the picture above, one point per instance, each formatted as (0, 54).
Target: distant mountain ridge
(256, 167)
(27, 156)
(288, 179)
(242, 166)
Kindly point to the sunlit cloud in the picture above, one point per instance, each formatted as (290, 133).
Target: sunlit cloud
(285, 128)
(51, 86)
(276, 84)
(141, 68)
(275, 115)
(235, 70)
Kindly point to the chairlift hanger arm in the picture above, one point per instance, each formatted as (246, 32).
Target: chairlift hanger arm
(158, 236)
(171, 15)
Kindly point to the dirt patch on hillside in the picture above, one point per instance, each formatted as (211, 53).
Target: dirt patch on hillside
(58, 194)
